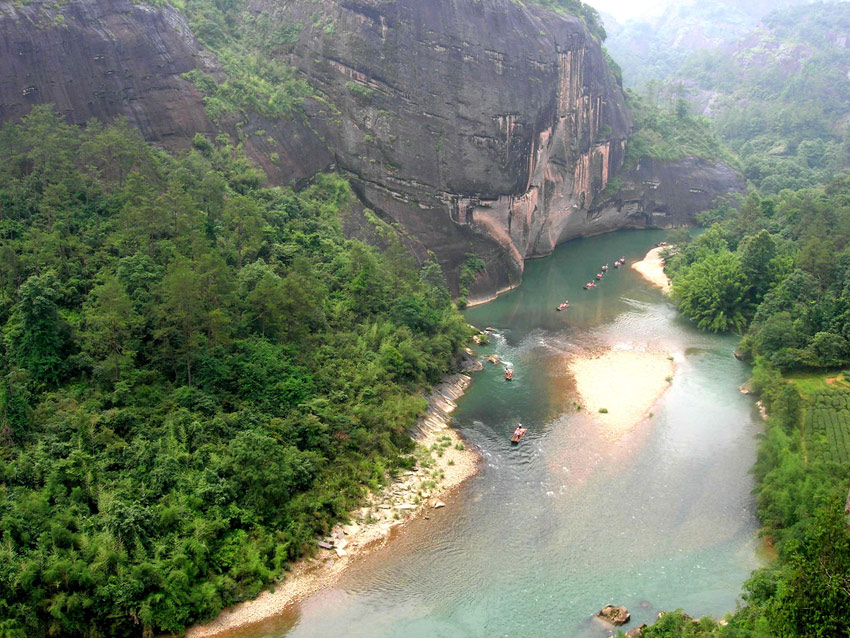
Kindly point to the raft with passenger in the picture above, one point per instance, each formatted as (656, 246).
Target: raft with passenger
(509, 374)
(589, 285)
(563, 306)
(600, 275)
(518, 433)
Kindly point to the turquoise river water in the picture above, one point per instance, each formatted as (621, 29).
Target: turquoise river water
(553, 529)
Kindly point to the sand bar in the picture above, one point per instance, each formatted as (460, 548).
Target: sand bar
(651, 268)
(442, 467)
(625, 382)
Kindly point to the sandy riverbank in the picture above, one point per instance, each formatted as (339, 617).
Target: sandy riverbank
(651, 268)
(626, 383)
(444, 462)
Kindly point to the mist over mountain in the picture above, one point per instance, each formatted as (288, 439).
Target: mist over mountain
(652, 47)
(776, 86)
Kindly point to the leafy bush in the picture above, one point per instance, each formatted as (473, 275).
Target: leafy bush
(242, 42)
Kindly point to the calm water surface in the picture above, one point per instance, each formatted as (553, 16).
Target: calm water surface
(570, 520)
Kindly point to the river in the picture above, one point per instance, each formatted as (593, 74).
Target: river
(569, 520)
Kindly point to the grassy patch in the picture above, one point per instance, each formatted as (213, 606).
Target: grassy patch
(808, 383)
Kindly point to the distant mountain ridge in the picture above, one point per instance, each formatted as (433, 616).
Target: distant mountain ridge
(780, 97)
(778, 94)
(651, 48)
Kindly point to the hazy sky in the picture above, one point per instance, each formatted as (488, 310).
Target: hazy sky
(624, 9)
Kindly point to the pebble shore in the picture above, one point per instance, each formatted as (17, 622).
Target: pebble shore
(444, 462)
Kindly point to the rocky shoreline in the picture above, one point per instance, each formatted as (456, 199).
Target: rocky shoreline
(443, 463)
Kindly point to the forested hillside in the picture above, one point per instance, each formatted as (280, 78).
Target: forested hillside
(780, 98)
(778, 271)
(654, 47)
(198, 374)
(777, 91)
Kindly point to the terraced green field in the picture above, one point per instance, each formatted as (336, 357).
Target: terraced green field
(828, 424)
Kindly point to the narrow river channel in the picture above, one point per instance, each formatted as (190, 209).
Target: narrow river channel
(570, 520)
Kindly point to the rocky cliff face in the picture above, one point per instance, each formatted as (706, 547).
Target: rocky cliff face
(483, 127)
(657, 194)
(104, 58)
(480, 126)
(94, 59)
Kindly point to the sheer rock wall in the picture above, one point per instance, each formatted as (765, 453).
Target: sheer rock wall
(479, 126)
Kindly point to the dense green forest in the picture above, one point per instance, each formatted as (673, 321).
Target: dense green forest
(670, 135)
(198, 375)
(777, 270)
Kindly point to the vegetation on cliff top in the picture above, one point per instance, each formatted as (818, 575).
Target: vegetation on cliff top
(588, 14)
(671, 134)
(197, 375)
(253, 79)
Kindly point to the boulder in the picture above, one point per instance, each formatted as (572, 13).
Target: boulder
(635, 632)
(469, 363)
(436, 503)
(614, 615)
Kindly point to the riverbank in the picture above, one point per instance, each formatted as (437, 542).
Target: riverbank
(443, 463)
(651, 268)
(478, 301)
(619, 387)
